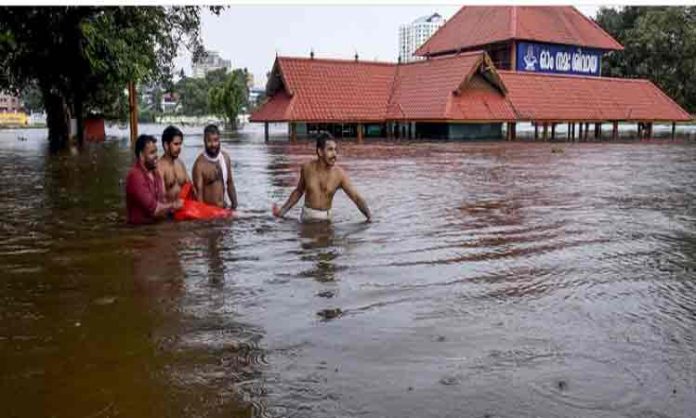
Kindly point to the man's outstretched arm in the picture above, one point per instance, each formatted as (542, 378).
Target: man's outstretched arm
(353, 194)
(292, 199)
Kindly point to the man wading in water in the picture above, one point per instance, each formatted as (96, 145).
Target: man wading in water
(170, 167)
(212, 173)
(145, 201)
(320, 179)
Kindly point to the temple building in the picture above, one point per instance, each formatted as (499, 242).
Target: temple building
(487, 68)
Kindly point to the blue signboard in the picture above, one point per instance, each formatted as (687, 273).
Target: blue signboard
(558, 59)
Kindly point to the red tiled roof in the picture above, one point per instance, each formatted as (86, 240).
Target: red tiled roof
(425, 90)
(475, 26)
(318, 90)
(562, 97)
(462, 87)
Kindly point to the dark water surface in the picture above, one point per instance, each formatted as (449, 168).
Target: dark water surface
(498, 280)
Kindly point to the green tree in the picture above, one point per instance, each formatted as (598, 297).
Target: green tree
(194, 92)
(31, 96)
(193, 96)
(82, 58)
(230, 100)
(660, 44)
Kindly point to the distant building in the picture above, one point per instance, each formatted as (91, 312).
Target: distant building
(413, 35)
(170, 103)
(210, 62)
(9, 103)
(254, 94)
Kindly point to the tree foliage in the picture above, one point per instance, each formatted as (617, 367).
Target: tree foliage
(230, 99)
(193, 92)
(660, 44)
(82, 58)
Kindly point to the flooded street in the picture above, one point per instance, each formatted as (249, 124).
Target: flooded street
(497, 280)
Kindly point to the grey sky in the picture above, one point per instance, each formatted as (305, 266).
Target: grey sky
(250, 35)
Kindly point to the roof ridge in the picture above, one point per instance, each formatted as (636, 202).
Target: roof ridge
(596, 25)
(461, 9)
(667, 97)
(513, 22)
(446, 57)
(341, 60)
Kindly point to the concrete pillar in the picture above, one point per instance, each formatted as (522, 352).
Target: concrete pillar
(568, 137)
(553, 131)
(615, 131)
(360, 132)
(598, 130)
(674, 130)
(265, 131)
(587, 129)
(650, 130)
(546, 131)
(293, 131)
(514, 131)
(536, 131)
(640, 130)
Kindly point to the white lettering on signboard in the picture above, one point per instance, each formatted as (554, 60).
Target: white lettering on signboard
(584, 63)
(546, 60)
(559, 59)
(562, 61)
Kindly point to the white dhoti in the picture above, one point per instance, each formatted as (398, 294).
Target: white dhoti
(314, 215)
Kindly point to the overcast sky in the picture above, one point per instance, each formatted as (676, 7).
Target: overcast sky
(250, 36)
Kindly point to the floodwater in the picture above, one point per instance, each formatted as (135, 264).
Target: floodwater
(497, 280)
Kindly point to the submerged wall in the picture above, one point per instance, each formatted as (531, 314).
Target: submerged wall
(459, 130)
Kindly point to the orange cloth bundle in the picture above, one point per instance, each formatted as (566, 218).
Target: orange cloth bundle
(194, 209)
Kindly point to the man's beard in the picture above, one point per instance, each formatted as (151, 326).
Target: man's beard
(150, 165)
(212, 152)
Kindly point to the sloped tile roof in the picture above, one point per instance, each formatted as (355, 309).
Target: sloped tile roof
(319, 90)
(425, 90)
(461, 87)
(475, 26)
(561, 97)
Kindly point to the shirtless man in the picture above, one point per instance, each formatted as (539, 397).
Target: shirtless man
(212, 173)
(320, 179)
(170, 167)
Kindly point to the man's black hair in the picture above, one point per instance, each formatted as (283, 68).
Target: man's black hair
(210, 129)
(141, 142)
(322, 138)
(169, 133)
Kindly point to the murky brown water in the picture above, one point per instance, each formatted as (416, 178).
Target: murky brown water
(498, 280)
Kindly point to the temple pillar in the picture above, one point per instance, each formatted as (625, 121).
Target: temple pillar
(293, 131)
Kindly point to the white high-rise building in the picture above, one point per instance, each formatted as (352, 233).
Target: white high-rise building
(211, 61)
(413, 35)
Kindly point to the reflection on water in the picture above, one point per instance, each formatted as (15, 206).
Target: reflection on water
(498, 279)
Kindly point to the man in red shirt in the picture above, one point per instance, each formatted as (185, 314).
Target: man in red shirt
(145, 199)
